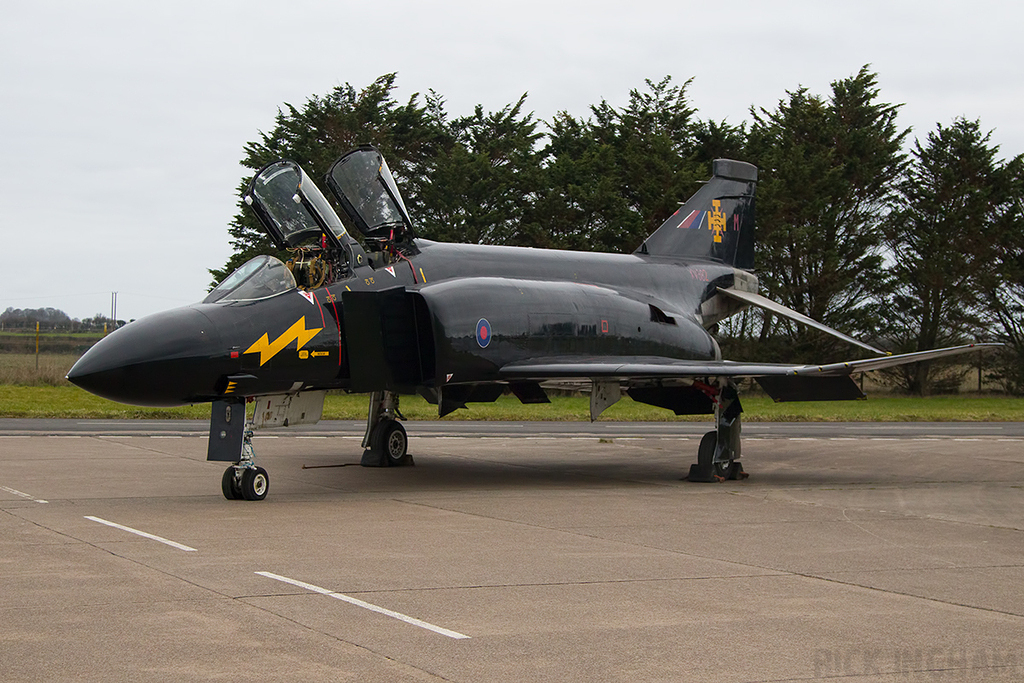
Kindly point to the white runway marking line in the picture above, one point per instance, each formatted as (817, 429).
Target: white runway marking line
(23, 495)
(366, 605)
(152, 537)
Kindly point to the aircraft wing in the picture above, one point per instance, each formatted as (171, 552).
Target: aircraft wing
(632, 367)
(778, 309)
(783, 382)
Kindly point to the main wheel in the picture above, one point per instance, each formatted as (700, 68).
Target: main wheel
(391, 440)
(255, 483)
(229, 485)
(726, 469)
(706, 451)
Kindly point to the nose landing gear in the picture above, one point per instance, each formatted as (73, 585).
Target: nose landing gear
(231, 441)
(244, 480)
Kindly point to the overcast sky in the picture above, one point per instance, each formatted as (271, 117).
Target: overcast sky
(123, 122)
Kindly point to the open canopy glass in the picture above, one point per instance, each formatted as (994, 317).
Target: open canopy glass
(291, 207)
(366, 190)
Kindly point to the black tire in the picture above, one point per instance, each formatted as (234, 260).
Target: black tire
(392, 441)
(706, 451)
(255, 483)
(229, 485)
(706, 458)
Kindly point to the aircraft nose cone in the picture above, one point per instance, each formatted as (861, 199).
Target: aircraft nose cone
(159, 360)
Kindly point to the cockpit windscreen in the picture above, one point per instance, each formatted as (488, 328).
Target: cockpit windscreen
(257, 278)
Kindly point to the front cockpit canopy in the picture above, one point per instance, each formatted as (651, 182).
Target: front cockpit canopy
(257, 278)
(366, 190)
(292, 208)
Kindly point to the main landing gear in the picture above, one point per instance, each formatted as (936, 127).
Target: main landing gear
(719, 451)
(385, 441)
(244, 480)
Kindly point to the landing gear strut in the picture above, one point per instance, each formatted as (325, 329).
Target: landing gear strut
(231, 441)
(385, 441)
(719, 451)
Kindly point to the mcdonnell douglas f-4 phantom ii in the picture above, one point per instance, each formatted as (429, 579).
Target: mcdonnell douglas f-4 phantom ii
(459, 323)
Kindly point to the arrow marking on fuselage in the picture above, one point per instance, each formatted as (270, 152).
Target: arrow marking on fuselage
(297, 333)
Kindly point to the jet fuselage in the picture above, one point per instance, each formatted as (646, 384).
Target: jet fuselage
(533, 303)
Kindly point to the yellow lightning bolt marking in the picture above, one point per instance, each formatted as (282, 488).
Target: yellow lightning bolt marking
(297, 332)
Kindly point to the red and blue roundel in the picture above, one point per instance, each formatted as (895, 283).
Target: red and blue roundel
(483, 333)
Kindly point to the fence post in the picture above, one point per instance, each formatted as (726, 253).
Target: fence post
(37, 346)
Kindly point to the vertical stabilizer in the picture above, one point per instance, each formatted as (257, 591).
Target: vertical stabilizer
(716, 223)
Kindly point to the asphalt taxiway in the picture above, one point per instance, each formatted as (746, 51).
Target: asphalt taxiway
(524, 551)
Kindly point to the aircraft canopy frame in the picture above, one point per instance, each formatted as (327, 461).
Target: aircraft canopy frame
(366, 189)
(292, 208)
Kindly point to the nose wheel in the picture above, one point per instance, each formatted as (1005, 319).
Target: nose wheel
(231, 484)
(244, 480)
(245, 483)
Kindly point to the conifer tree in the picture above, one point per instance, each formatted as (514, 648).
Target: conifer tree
(826, 171)
(946, 244)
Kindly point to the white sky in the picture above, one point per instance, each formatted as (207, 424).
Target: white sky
(123, 122)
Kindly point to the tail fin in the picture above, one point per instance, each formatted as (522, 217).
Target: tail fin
(717, 223)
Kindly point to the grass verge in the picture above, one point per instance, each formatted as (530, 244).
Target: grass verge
(72, 402)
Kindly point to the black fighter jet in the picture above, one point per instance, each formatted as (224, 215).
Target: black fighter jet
(459, 323)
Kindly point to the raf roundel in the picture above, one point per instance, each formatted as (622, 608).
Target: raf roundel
(483, 333)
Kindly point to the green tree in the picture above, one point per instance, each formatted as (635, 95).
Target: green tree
(826, 171)
(480, 184)
(314, 136)
(616, 176)
(581, 205)
(944, 241)
(1003, 292)
(48, 318)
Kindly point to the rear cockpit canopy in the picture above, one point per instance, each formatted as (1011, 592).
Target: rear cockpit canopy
(368, 193)
(258, 278)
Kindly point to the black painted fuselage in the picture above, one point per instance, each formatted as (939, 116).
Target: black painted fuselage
(537, 303)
